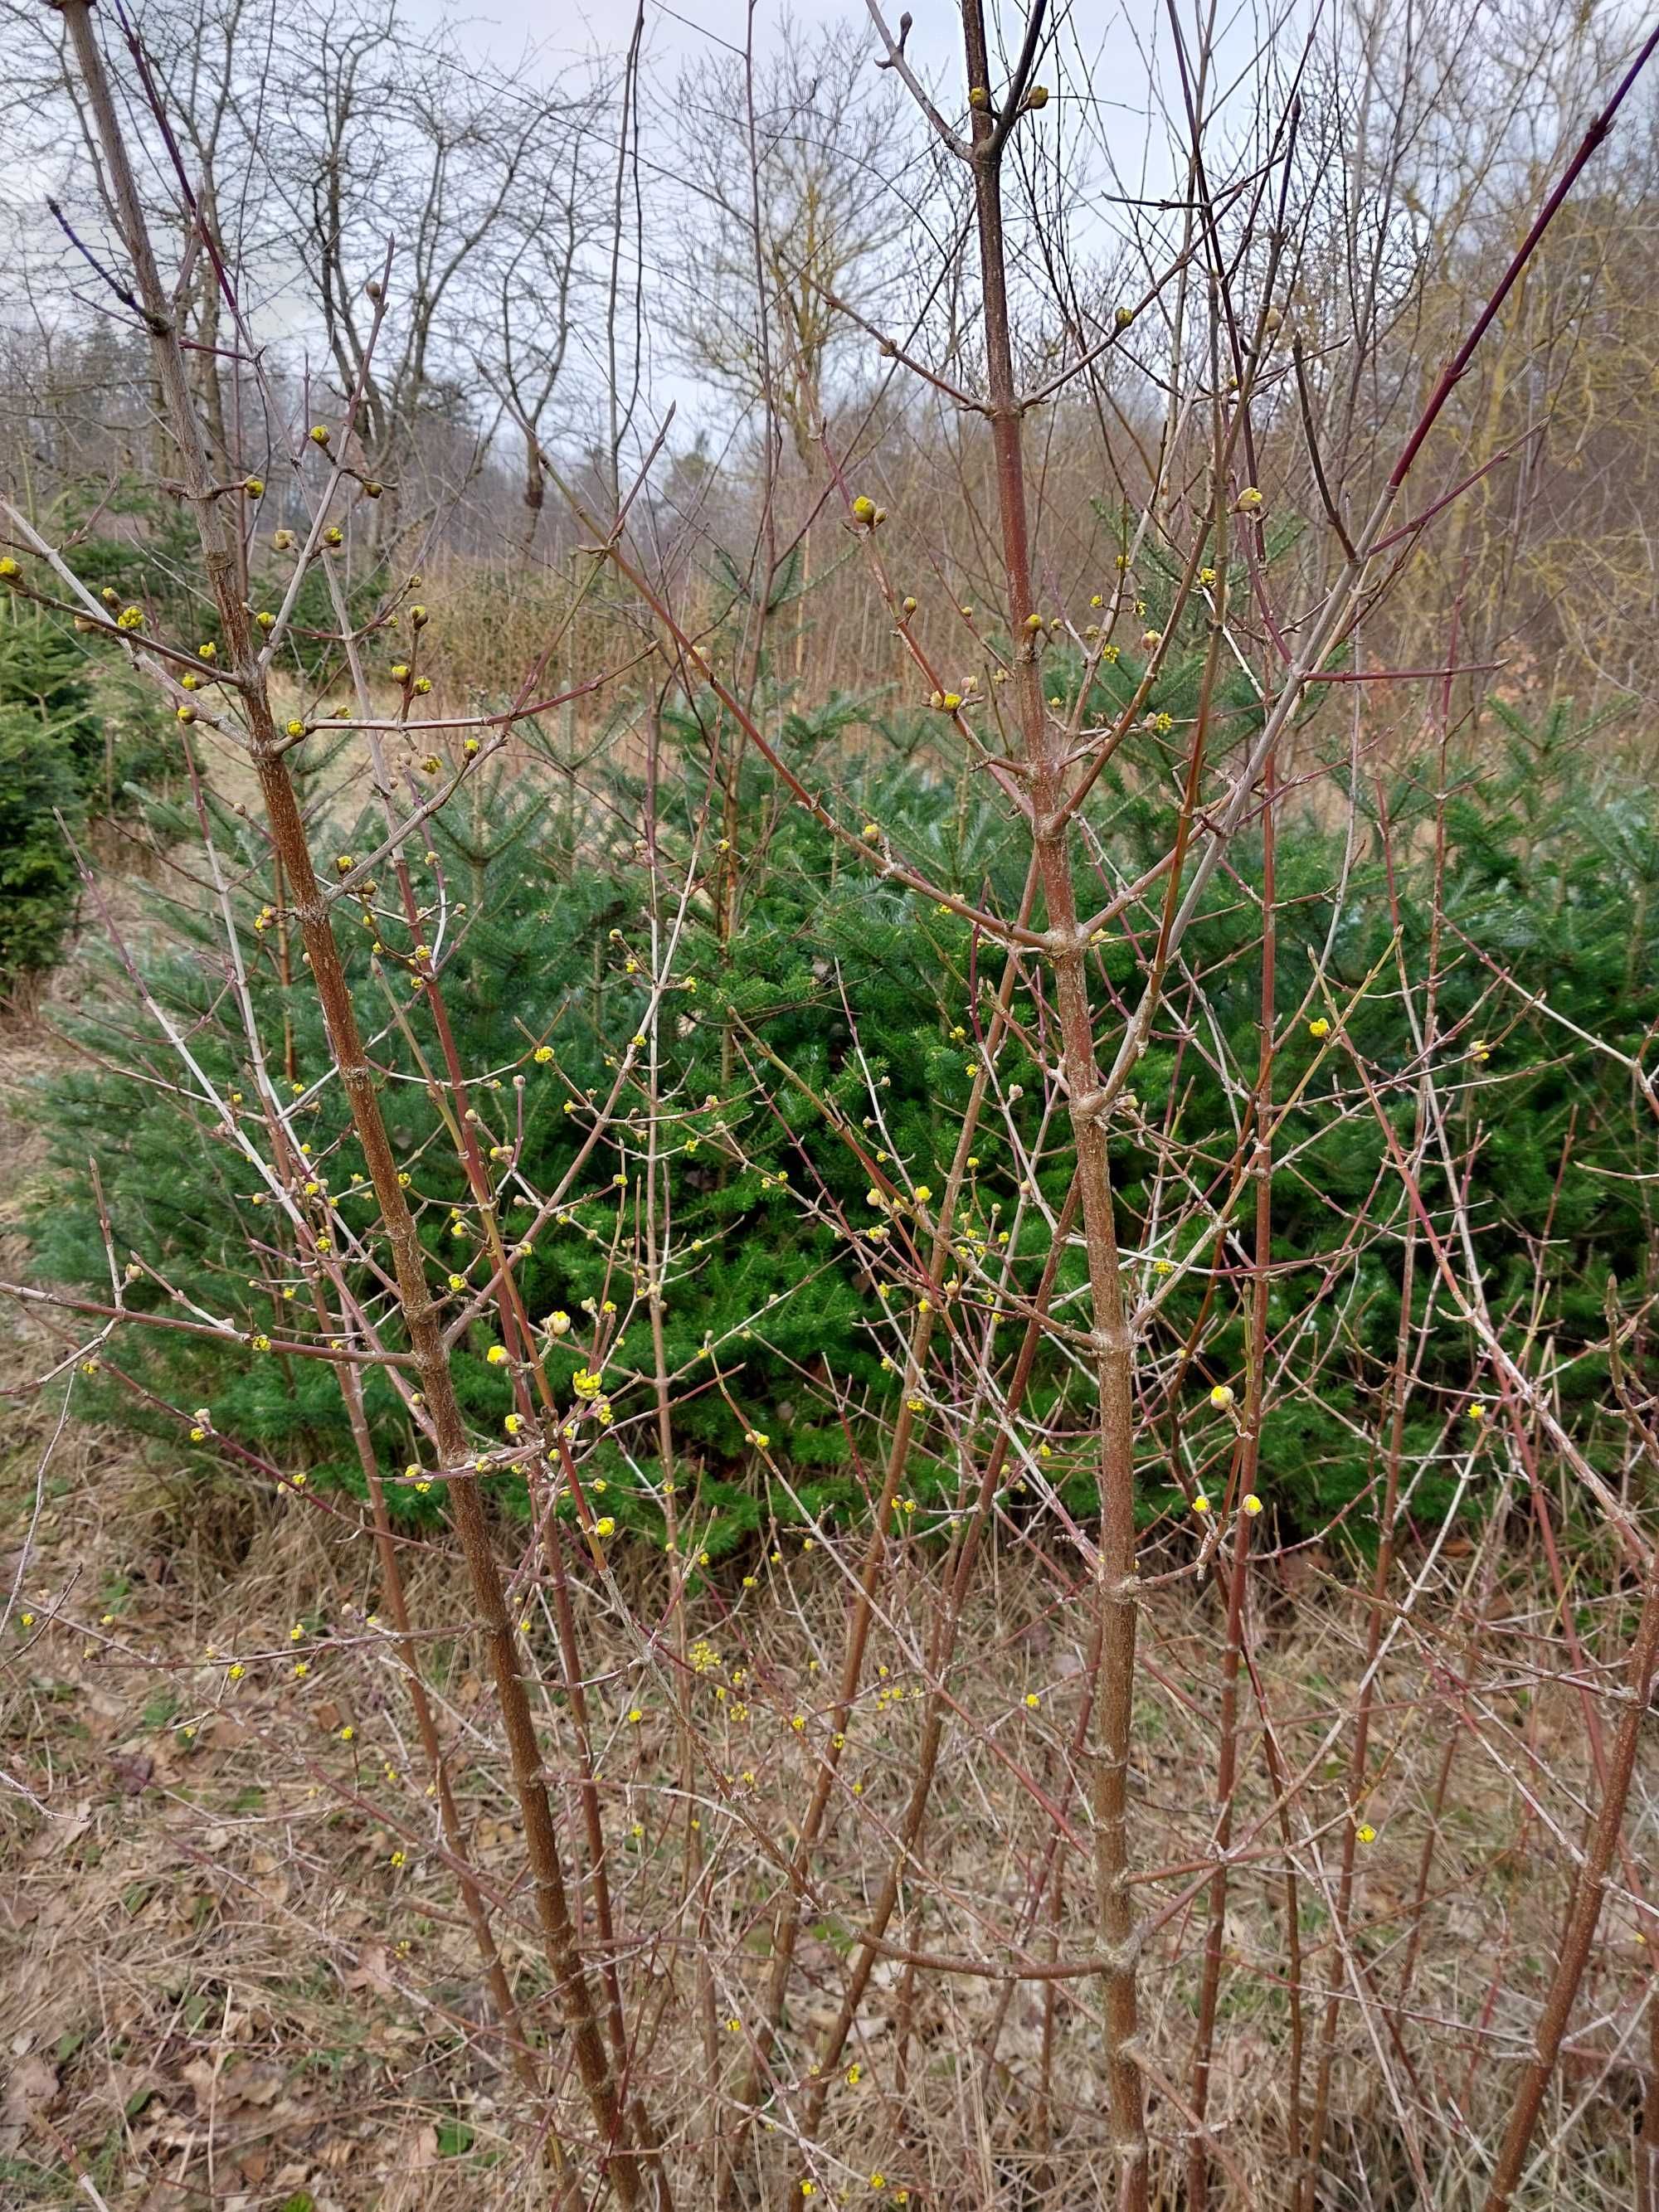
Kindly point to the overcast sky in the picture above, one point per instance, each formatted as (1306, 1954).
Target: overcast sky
(504, 28)
(542, 37)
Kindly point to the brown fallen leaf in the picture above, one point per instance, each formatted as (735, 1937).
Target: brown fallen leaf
(19, 1906)
(249, 2081)
(31, 2088)
(412, 2156)
(133, 1772)
(200, 2073)
(370, 1972)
